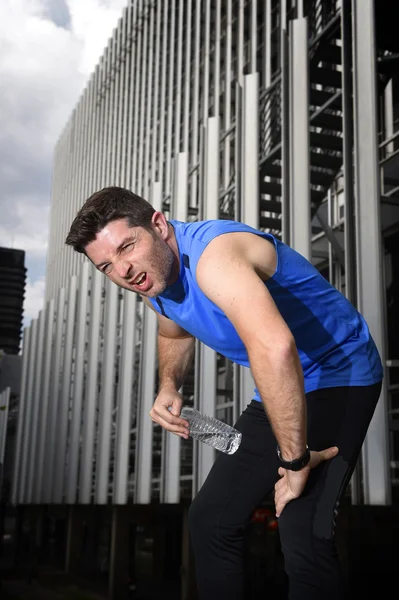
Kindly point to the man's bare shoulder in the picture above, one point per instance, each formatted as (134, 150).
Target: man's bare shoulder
(252, 249)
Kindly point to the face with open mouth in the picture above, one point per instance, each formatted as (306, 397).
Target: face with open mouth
(135, 258)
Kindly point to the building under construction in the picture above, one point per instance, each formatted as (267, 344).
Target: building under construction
(282, 114)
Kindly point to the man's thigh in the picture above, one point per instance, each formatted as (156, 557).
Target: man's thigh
(340, 417)
(238, 483)
(336, 417)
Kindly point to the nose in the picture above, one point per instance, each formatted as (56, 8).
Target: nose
(123, 268)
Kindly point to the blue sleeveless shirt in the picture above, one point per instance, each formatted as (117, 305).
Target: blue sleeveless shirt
(332, 338)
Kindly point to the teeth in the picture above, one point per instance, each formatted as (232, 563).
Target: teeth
(140, 281)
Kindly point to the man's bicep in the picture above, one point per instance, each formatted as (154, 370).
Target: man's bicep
(232, 283)
(170, 329)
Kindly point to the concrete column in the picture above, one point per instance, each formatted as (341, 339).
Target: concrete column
(300, 235)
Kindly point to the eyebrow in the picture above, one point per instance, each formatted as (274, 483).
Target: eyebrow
(125, 241)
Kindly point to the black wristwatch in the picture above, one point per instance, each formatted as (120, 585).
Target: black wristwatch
(297, 464)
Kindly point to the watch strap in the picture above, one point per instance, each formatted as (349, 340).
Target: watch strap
(297, 464)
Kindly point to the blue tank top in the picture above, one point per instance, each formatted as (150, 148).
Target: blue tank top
(332, 338)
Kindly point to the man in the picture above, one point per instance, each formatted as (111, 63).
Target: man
(316, 368)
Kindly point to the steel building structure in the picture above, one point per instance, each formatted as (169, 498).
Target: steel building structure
(276, 113)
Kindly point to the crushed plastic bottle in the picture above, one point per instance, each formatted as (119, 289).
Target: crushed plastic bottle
(211, 431)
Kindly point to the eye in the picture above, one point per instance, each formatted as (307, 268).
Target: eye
(107, 269)
(128, 247)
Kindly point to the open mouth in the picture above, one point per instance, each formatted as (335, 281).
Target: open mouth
(141, 280)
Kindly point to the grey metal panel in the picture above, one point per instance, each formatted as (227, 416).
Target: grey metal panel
(253, 37)
(124, 414)
(249, 209)
(118, 108)
(137, 78)
(226, 110)
(389, 118)
(250, 156)
(110, 116)
(29, 399)
(170, 486)
(195, 103)
(206, 366)
(181, 187)
(54, 400)
(285, 135)
(107, 393)
(156, 195)
(17, 466)
(77, 399)
(170, 112)
(300, 220)
(105, 118)
(212, 169)
(86, 150)
(73, 198)
(240, 48)
(144, 433)
(150, 108)
(162, 100)
(145, 67)
(102, 120)
(89, 413)
(179, 86)
(35, 415)
(348, 169)
(205, 62)
(187, 78)
(45, 392)
(238, 151)
(376, 485)
(207, 405)
(125, 91)
(91, 116)
(95, 139)
(155, 158)
(61, 446)
(4, 406)
(216, 58)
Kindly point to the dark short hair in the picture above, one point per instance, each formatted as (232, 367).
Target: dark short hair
(104, 206)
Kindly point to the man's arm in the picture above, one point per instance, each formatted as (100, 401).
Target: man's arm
(231, 272)
(175, 353)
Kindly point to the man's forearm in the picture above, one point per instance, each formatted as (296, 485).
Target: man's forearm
(174, 359)
(279, 378)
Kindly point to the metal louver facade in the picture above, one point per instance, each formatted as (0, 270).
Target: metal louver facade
(209, 109)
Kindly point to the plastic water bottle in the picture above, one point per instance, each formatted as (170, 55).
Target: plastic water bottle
(211, 431)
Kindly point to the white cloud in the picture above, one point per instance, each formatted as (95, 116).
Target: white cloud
(31, 230)
(92, 23)
(48, 48)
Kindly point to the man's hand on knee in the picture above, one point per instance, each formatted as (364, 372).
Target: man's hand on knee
(292, 483)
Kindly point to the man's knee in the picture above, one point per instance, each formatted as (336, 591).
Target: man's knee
(304, 546)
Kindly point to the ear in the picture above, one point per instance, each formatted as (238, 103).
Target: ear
(160, 224)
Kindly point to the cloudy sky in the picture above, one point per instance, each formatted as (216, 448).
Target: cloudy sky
(48, 48)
